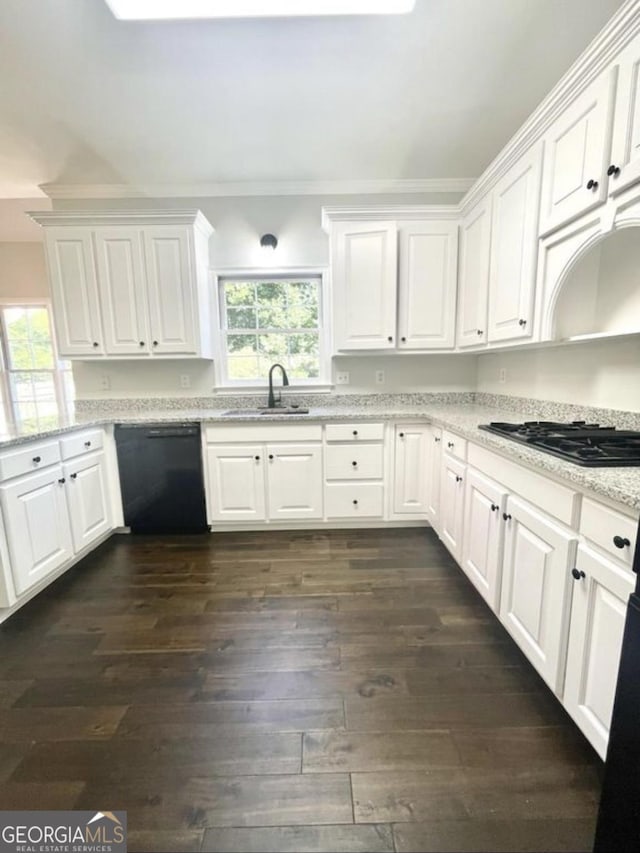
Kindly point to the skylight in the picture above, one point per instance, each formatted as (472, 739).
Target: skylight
(137, 10)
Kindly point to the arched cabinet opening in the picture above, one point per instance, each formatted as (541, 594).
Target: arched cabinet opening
(600, 295)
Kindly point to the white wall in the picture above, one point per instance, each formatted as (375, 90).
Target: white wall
(23, 273)
(596, 373)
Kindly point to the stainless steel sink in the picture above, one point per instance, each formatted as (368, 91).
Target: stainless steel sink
(278, 410)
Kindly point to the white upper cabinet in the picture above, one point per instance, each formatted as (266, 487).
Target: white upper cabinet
(427, 284)
(514, 250)
(74, 291)
(473, 287)
(364, 271)
(122, 290)
(624, 168)
(142, 277)
(577, 155)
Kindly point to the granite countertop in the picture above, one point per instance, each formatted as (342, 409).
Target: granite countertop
(618, 484)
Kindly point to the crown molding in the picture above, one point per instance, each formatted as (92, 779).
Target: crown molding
(398, 213)
(621, 29)
(119, 217)
(231, 189)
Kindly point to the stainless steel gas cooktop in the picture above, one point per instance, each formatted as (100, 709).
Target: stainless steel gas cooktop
(586, 444)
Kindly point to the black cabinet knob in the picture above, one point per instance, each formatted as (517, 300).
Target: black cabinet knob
(355, 432)
(389, 338)
(155, 343)
(458, 478)
(257, 458)
(621, 542)
(450, 445)
(577, 574)
(96, 344)
(271, 456)
(436, 439)
(479, 332)
(506, 516)
(404, 340)
(592, 185)
(355, 464)
(73, 476)
(522, 323)
(355, 503)
(401, 434)
(62, 480)
(613, 171)
(87, 444)
(37, 459)
(141, 343)
(494, 507)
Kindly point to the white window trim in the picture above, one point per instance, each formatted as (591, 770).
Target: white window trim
(222, 382)
(64, 406)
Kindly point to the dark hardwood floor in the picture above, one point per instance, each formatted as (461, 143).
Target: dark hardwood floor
(306, 691)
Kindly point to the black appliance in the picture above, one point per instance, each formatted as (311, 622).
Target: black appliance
(586, 444)
(618, 827)
(161, 477)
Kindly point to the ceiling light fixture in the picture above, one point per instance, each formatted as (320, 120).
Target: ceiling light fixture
(139, 10)
(268, 241)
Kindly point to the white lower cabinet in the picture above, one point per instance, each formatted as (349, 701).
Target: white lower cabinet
(483, 537)
(538, 556)
(434, 468)
(409, 487)
(88, 497)
(354, 500)
(236, 482)
(294, 481)
(452, 504)
(601, 590)
(37, 526)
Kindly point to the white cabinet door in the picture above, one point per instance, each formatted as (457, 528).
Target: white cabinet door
(74, 291)
(88, 496)
(538, 556)
(364, 284)
(514, 250)
(483, 538)
(428, 262)
(119, 257)
(625, 151)
(37, 526)
(236, 482)
(598, 611)
(473, 287)
(434, 470)
(452, 504)
(410, 470)
(171, 288)
(294, 481)
(576, 156)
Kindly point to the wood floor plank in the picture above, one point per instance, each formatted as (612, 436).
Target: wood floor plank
(473, 680)
(25, 796)
(337, 751)
(145, 841)
(248, 687)
(374, 838)
(11, 691)
(514, 746)
(19, 725)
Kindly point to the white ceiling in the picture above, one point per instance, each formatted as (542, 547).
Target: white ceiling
(85, 98)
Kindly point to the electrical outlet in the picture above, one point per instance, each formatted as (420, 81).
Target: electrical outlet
(379, 377)
(105, 382)
(342, 377)
(502, 375)
(185, 380)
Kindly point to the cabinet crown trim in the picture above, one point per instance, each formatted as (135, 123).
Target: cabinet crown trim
(98, 218)
(377, 213)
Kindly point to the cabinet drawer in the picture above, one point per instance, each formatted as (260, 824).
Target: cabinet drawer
(81, 442)
(33, 457)
(349, 462)
(354, 432)
(353, 500)
(605, 527)
(453, 444)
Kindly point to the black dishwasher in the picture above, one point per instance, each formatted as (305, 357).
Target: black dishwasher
(161, 477)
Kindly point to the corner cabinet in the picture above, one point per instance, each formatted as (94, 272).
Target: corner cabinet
(475, 248)
(394, 279)
(129, 285)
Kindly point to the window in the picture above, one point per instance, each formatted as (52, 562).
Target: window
(38, 387)
(272, 319)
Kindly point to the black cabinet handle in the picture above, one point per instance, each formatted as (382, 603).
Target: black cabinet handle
(62, 480)
(494, 507)
(355, 503)
(73, 476)
(389, 338)
(621, 542)
(37, 459)
(522, 323)
(506, 516)
(355, 464)
(577, 574)
(592, 185)
(96, 344)
(613, 171)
